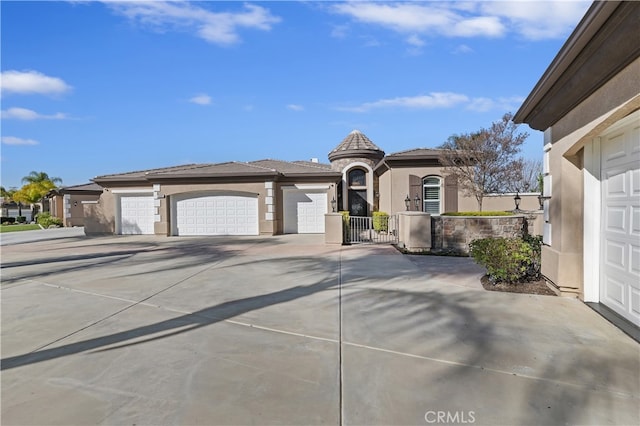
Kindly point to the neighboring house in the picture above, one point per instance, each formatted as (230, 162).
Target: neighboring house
(66, 202)
(588, 104)
(271, 196)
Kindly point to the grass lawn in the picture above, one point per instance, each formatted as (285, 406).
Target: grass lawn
(16, 228)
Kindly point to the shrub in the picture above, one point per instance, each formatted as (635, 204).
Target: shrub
(346, 225)
(508, 259)
(21, 219)
(381, 221)
(46, 220)
(487, 213)
(7, 220)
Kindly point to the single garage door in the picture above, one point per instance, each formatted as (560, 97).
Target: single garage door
(136, 215)
(620, 260)
(217, 215)
(304, 212)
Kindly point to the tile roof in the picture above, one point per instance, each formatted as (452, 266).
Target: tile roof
(415, 152)
(266, 167)
(355, 141)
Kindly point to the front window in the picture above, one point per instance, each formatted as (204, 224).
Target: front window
(357, 178)
(431, 194)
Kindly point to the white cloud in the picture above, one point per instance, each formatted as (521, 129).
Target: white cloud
(531, 19)
(27, 114)
(431, 101)
(215, 27)
(414, 40)
(499, 104)
(462, 49)
(537, 20)
(440, 100)
(31, 82)
(12, 140)
(201, 99)
(429, 18)
(294, 107)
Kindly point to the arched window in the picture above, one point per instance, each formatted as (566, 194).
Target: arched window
(431, 194)
(357, 178)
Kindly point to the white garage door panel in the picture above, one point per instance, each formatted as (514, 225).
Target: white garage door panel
(304, 212)
(620, 262)
(136, 215)
(217, 215)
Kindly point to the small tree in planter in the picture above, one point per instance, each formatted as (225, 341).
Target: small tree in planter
(380, 222)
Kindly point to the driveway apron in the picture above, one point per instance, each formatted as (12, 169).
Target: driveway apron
(288, 330)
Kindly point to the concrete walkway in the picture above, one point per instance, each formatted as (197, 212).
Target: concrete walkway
(287, 330)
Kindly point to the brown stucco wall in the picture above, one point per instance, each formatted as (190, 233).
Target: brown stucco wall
(498, 202)
(394, 187)
(76, 209)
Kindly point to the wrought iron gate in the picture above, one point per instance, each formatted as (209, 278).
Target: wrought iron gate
(371, 230)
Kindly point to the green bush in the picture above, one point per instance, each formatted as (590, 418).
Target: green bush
(346, 225)
(508, 259)
(487, 213)
(21, 219)
(7, 220)
(381, 221)
(46, 220)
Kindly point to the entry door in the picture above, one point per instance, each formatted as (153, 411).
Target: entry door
(358, 202)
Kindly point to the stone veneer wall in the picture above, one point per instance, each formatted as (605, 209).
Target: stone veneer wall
(454, 233)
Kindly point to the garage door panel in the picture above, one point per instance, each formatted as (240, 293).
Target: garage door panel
(217, 215)
(136, 215)
(304, 211)
(620, 262)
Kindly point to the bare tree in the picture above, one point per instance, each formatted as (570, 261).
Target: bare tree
(485, 161)
(527, 176)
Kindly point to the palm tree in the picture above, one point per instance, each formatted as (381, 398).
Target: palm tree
(39, 177)
(8, 197)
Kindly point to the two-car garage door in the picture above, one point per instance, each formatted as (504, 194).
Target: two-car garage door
(217, 215)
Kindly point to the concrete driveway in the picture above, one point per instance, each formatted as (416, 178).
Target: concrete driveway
(286, 330)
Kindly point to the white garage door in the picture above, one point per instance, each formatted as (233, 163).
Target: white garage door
(136, 214)
(217, 215)
(620, 260)
(304, 212)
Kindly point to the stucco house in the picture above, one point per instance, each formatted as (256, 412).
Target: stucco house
(588, 105)
(274, 197)
(66, 202)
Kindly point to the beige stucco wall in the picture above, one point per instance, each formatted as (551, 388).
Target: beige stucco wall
(394, 187)
(502, 202)
(76, 209)
(562, 260)
(99, 217)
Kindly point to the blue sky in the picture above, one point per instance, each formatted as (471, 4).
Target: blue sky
(92, 88)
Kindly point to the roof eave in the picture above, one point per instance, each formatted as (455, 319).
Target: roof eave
(593, 20)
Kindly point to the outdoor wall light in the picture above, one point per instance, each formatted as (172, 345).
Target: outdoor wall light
(541, 201)
(333, 204)
(417, 202)
(407, 202)
(516, 200)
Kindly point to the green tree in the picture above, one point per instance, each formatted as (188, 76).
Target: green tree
(485, 161)
(32, 194)
(38, 177)
(8, 197)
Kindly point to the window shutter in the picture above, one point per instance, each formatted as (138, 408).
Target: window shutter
(450, 194)
(415, 188)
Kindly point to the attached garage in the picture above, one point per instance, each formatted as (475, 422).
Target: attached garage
(136, 214)
(216, 215)
(620, 220)
(304, 211)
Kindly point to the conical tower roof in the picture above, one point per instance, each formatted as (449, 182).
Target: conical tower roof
(356, 145)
